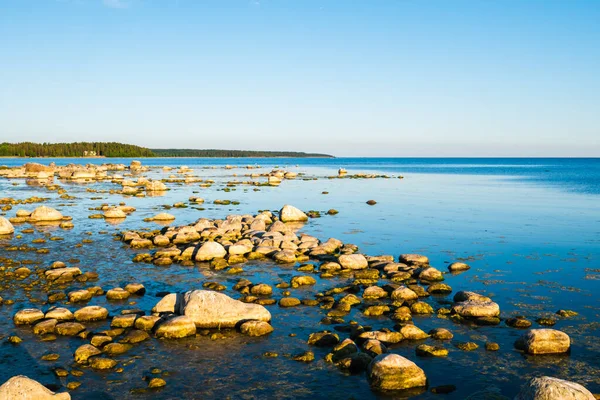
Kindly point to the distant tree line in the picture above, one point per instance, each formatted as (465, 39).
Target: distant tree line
(78, 149)
(232, 153)
(113, 149)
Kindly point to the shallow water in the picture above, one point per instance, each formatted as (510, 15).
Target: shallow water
(528, 227)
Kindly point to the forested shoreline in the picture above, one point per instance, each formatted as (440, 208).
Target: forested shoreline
(114, 149)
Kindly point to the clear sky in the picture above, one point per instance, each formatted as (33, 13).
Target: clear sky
(345, 77)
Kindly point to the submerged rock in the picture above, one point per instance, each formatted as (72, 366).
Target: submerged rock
(549, 388)
(177, 327)
(21, 387)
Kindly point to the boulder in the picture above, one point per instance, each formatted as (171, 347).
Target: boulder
(256, 328)
(458, 266)
(156, 186)
(44, 213)
(292, 214)
(476, 309)
(216, 310)
(28, 316)
(21, 387)
(548, 388)
(544, 341)
(177, 327)
(394, 372)
(353, 261)
(114, 213)
(6, 228)
(209, 251)
(91, 313)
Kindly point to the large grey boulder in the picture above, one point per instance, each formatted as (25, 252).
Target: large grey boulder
(548, 388)
(21, 387)
(210, 309)
(6, 228)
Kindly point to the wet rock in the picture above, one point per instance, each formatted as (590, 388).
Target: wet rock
(303, 280)
(546, 321)
(123, 321)
(285, 256)
(567, 313)
(163, 217)
(353, 261)
(470, 296)
(262, 289)
(289, 302)
(177, 327)
(102, 363)
(518, 322)
(458, 266)
(66, 274)
(411, 332)
(425, 350)
(45, 326)
(371, 202)
(28, 316)
(324, 338)
(411, 259)
(431, 275)
(114, 349)
(307, 356)
(544, 341)
(256, 328)
(374, 311)
(385, 336)
(78, 296)
(472, 308)
(441, 334)
(403, 293)
(69, 328)
(420, 307)
(492, 346)
(374, 293)
(100, 340)
(91, 313)
(155, 383)
(60, 314)
(135, 336)
(394, 372)
(117, 294)
(84, 352)
(549, 388)
(21, 387)
(439, 288)
(467, 346)
(146, 322)
(292, 214)
(136, 288)
(374, 347)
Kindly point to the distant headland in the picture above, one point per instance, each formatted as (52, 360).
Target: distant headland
(114, 149)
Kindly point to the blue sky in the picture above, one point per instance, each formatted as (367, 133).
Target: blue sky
(350, 78)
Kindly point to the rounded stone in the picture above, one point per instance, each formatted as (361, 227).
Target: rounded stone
(28, 316)
(91, 313)
(394, 372)
(177, 327)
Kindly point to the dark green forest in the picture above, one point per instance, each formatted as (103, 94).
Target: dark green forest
(113, 149)
(78, 149)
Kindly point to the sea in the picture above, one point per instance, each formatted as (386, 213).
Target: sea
(528, 227)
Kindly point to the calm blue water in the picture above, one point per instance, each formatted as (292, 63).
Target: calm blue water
(572, 174)
(530, 229)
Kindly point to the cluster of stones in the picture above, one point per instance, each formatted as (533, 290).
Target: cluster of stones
(42, 215)
(78, 173)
